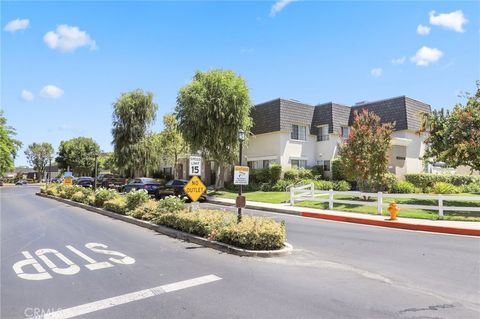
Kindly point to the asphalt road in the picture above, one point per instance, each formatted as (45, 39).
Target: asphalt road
(337, 270)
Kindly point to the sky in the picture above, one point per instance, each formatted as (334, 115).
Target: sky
(63, 64)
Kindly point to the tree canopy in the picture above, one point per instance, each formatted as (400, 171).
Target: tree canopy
(78, 154)
(454, 136)
(133, 112)
(39, 155)
(172, 143)
(211, 109)
(364, 154)
(8, 146)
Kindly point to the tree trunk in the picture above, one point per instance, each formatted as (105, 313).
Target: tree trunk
(175, 167)
(219, 182)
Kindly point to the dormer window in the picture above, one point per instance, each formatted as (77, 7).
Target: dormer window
(345, 131)
(299, 132)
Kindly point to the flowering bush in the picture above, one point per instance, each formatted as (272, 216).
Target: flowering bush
(116, 205)
(136, 198)
(146, 211)
(104, 194)
(170, 204)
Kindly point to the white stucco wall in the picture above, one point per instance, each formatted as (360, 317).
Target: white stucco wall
(415, 149)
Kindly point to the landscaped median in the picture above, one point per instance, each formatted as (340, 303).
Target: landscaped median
(254, 236)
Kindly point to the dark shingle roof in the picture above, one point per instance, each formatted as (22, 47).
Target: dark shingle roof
(280, 114)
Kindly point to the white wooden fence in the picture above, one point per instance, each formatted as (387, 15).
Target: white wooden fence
(308, 192)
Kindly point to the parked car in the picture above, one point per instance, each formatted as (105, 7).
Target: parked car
(175, 187)
(84, 181)
(110, 181)
(149, 184)
(57, 180)
(21, 182)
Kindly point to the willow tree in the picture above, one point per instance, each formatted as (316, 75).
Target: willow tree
(172, 142)
(133, 112)
(211, 109)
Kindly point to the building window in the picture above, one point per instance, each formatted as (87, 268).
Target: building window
(299, 132)
(323, 133)
(325, 164)
(251, 164)
(345, 131)
(266, 163)
(167, 171)
(299, 163)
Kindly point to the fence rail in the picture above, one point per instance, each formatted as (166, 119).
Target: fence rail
(308, 192)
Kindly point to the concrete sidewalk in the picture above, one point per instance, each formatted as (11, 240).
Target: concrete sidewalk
(439, 226)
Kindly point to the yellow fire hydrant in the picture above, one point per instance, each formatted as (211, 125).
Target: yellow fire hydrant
(393, 209)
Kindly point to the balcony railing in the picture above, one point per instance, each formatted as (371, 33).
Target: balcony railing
(323, 137)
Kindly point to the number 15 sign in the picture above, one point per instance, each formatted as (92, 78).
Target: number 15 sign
(195, 167)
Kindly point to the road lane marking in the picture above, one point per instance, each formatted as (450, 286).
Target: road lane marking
(72, 269)
(126, 298)
(94, 265)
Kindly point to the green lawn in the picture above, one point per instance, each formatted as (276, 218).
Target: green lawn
(282, 197)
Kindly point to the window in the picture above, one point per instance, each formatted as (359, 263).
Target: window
(325, 164)
(323, 133)
(251, 164)
(266, 163)
(345, 131)
(299, 163)
(299, 132)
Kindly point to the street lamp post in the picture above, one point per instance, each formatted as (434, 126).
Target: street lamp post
(241, 138)
(49, 170)
(95, 177)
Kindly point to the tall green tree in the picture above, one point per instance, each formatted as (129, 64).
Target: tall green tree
(150, 153)
(173, 145)
(106, 162)
(133, 112)
(78, 154)
(39, 155)
(454, 136)
(8, 146)
(211, 109)
(364, 154)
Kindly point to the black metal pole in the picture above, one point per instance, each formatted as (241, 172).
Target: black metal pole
(95, 177)
(239, 218)
(49, 170)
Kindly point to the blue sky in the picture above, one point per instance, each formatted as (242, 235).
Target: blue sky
(63, 64)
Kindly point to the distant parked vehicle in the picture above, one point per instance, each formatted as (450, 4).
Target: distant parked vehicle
(110, 181)
(174, 187)
(57, 180)
(148, 184)
(85, 181)
(21, 182)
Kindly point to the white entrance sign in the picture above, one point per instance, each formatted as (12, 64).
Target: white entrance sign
(35, 271)
(240, 176)
(195, 166)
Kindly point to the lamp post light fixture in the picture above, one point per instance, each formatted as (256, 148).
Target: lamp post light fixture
(241, 138)
(96, 167)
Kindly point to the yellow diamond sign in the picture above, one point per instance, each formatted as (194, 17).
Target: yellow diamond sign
(194, 188)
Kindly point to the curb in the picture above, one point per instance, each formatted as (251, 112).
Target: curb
(177, 233)
(365, 221)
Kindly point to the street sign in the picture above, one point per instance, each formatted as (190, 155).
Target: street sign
(240, 175)
(67, 174)
(240, 202)
(195, 166)
(68, 180)
(194, 188)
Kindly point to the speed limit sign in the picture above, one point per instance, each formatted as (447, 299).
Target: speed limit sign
(195, 167)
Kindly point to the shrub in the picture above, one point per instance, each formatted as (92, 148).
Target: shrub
(201, 222)
(445, 188)
(291, 174)
(68, 191)
(403, 187)
(281, 185)
(275, 173)
(135, 198)
(342, 186)
(78, 197)
(266, 187)
(170, 204)
(424, 180)
(147, 210)
(103, 194)
(337, 172)
(254, 233)
(389, 181)
(90, 199)
(116, 205)
(323, 185)
(473, 187)
(304, 173)
(317, 171)
(259, 176)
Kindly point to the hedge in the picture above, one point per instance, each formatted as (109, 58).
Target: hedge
(425, 180)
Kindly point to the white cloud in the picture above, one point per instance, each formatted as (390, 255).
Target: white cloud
(17, 24)
(399, 60)
(426, 55)
(26, 95)
(453, 20)
(68, 39)
(423, 29)
(51, 92)
(279, 6)
(376, 72)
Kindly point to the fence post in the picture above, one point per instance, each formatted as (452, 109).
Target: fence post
(440, 206)
(292, 196)
(312, 191)
(379, 203)
(330, 199)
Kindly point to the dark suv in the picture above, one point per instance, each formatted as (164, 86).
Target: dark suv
(174, 187)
